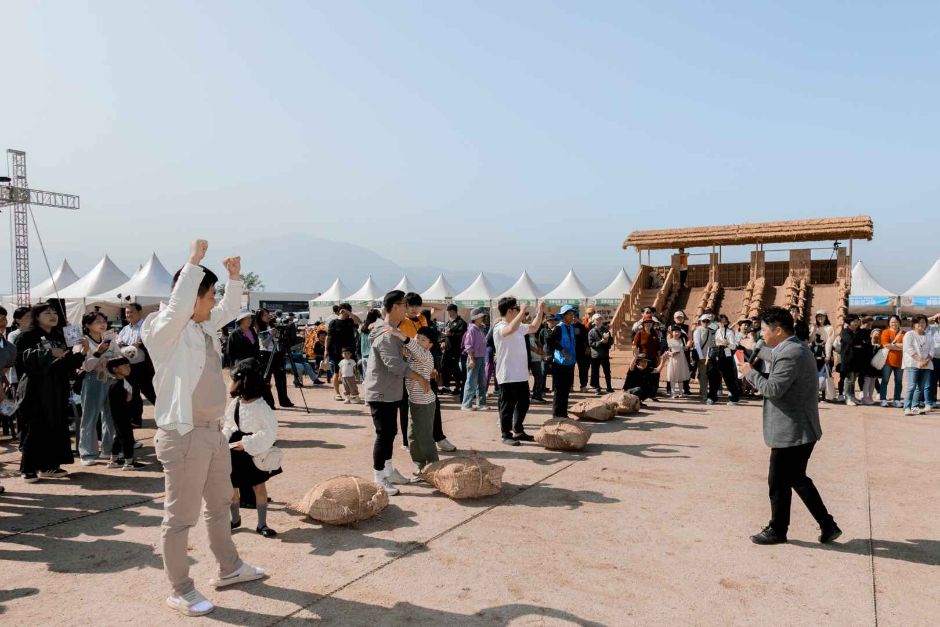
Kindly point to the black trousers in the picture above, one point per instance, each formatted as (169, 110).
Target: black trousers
(788, 472)
(403, 414)
(142, 377)
(562, 380)
(124, 438)
(598, 363)
(513, 405)
(280, 377)
(451, 371)
(438, 419)
(386, 428)
(724, 370)
(584, 369)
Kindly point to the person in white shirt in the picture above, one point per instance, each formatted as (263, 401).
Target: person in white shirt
(512, 368)
(183, 341)
(917, 363)
(703, 341)
(726, 342)
(347, 372)
(142, 371)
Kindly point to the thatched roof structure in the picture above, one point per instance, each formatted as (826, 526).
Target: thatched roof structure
(816, 230)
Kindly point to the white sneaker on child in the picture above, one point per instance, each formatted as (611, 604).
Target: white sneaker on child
(191, 604)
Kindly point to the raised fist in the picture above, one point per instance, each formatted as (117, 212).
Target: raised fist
(197, 251)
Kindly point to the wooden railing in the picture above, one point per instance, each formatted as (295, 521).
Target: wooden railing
(626, 310)
(666, 292)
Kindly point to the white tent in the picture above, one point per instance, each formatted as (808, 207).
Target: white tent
(478, 294)
(149, 285)
(367, 294)
(925, 292)
(63, 278)
(336, 292)
(439, 292)
(405, 285)
(570, 291)
(524, 290)
(867, 293)
(613, 293)
(101, 278)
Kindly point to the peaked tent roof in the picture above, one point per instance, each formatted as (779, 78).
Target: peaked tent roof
(150, 284)
(570, 290)
(406, 285)
(617, 288)
(336, 292)
(64, 277)
(368, 293)
(439, 291)
(524, 289)
(866, 291)
(928, 286)
(479, 293)
(101, 278)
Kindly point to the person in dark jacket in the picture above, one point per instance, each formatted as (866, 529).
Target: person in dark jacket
(44, 364)
(583, 352)
(451, 370)
(856, 355)
(563, 345)
(800, 328)
(242, 342)
(599, 340)
(641, 380)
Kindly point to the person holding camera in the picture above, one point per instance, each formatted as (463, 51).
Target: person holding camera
(101, 347)
(271, 353)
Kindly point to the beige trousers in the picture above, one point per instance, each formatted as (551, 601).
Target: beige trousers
(197, 466)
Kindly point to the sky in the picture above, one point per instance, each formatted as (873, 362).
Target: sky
(475, 136)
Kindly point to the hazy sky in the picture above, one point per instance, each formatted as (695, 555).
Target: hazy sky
(473, 135)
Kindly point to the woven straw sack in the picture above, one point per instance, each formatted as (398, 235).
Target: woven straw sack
(563, 434)
(465, 477)
(594, 409)
(624, 402)
(342, 500)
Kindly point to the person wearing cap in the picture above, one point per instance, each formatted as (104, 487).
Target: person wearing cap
(242, 343)
(512, 367)
(679, 322)
(600, 340)
(790, 425)
(647, 341)
(474, 346)
(563, 344)
(452, 370)
(703, 341)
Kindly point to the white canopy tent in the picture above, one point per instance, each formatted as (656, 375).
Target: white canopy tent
(63, 277)
(524, 289)
(406, 285)
(439, 292)
(571, 291)
(149, 285)
(925, 293)
(613, 293)
(868, 295)
(104, 276)
(478, 294)
(334, 294)
(367, 294)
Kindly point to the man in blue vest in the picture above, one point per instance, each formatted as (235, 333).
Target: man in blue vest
(563, 344)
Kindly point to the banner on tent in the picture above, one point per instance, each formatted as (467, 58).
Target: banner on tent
(920, 301)
(472, 303)
(870, 301)
(564, 301)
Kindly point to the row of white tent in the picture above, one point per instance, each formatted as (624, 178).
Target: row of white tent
(481, 292)
(867, 293)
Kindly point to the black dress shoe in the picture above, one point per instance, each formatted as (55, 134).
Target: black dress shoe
(236, 523)
(768, 536)
(830, 533)
(266, 531)
(523, 437)
(287, 404)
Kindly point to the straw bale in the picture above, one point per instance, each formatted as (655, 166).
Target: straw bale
(563, 434)
(594, 409)
(342, 500)
(465, 477)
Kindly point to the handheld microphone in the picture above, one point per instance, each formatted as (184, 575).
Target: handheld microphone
(755, 354)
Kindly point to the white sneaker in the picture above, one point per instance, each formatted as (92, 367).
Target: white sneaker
(446, 446)
(709, 402)
(732, 403)
(851, 402)
(392, 474)
(89, 462)
(191, 604)
(382, 480)
(884, 403)
(348, 401)
(415, 478)
(908, 412)
(116, 463)
(247, 572)
(928, 409)
(138, 444)
(898, 404)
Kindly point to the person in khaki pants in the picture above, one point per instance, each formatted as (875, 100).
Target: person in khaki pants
(191, 399)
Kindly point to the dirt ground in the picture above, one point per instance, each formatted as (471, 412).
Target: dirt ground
(648, 525)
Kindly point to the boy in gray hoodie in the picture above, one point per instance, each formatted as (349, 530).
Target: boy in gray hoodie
(383, 388)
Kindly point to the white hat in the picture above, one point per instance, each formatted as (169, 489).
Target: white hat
(596, 317)
(243, 315)
(704, 317)
(821, 312)
(678, 313)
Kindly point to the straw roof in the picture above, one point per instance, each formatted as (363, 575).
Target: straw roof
(816, 230)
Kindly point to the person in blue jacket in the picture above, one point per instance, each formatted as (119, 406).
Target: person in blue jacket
(562, 343)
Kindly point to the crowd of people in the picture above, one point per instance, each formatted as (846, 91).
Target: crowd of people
(218, 445)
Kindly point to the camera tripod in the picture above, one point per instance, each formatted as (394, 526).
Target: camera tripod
(290, 359)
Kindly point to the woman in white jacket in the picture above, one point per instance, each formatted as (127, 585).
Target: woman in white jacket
(251, 429)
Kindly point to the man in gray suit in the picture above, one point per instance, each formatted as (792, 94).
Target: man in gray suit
(791, 426)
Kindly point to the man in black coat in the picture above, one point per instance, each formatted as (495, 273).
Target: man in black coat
(583, 353)
(855, 356)
(454, 329)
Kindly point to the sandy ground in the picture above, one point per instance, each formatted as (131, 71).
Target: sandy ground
(648, 525)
